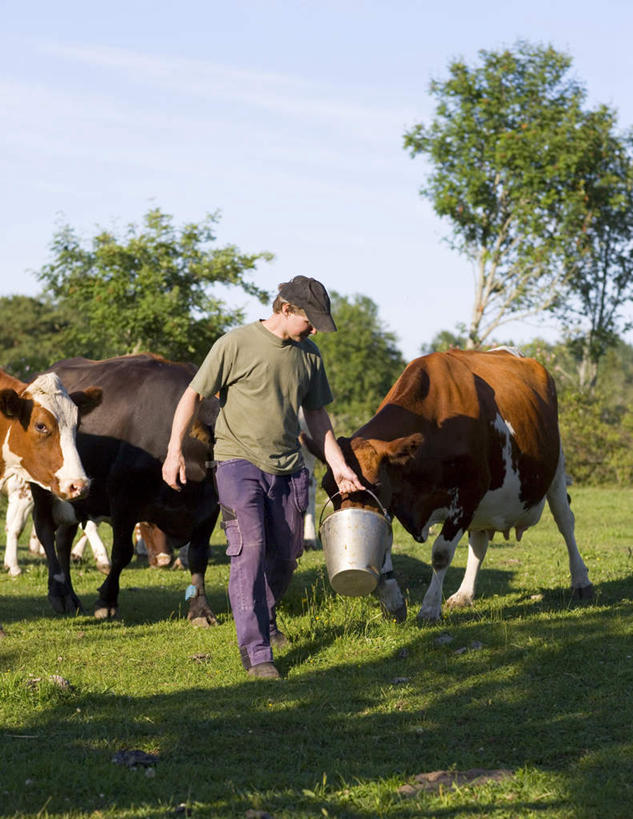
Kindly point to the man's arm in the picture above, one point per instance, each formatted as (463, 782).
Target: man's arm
(174, 465)
(320, 427)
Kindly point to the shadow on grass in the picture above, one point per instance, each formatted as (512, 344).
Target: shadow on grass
(315, 743)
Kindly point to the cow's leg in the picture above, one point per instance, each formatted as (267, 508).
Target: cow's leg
(77, 552)
(200, 612)
(18, 510)
(96, 544)
(477, 547)
(35, 547)
(64, 536)
(61, 595)
(107, 604)
(441, 557)
(388, 592)
(309, 527)
(558, 501)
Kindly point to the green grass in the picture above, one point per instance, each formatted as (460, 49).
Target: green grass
(365, 704)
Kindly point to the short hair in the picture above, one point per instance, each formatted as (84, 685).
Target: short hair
(280, 301)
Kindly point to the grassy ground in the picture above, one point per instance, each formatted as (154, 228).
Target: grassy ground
(525, 682)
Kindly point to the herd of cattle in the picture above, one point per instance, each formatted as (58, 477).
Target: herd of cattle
(465, 439)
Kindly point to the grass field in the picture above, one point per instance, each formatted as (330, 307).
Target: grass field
(528, 686)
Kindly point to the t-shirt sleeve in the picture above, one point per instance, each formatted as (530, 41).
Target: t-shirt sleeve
(319, 393)
(213, 372)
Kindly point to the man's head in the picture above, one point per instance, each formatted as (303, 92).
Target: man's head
(309, 296)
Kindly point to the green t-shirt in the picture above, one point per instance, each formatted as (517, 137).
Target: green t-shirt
(262, 382)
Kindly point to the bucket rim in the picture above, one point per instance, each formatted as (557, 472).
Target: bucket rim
(385, 514)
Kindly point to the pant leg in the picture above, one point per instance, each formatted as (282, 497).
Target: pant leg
(242, 491)
(286, 501)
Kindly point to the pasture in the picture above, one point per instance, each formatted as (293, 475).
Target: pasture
(527, 685)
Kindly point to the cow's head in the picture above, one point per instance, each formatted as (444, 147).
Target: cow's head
(378, 464)
(39, 442)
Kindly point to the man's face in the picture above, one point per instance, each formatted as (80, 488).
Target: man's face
(298, 326)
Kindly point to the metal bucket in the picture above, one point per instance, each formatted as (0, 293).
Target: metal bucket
(354, 545)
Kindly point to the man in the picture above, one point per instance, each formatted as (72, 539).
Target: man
(264, 372)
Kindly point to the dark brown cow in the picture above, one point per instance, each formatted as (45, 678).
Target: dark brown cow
(38, 424)
(122, 445)
(469, 440)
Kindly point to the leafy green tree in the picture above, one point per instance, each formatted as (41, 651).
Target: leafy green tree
(361, 359)
(152, 289)
(30, 330)
(600, 261)
(445, 340)
(510, 151)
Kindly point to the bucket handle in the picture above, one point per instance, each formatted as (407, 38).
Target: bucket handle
(382, 508)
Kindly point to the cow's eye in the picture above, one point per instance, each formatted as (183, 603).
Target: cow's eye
(41, 427)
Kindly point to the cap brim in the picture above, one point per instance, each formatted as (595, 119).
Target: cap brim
(322, 322)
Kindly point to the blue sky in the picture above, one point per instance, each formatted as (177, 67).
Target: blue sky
(286, 116)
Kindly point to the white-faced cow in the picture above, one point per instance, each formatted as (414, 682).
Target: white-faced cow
(469, 440)
(38, 424)
(122, 445)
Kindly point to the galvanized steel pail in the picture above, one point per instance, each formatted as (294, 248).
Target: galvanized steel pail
(354, 545)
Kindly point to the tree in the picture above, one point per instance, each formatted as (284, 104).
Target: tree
(510, 149)
(30, 331)
(361, 359)
(150, 290)
(600, 261)
(445, 340)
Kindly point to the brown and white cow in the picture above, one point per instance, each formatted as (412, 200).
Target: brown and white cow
(38, 425)
(469, 440)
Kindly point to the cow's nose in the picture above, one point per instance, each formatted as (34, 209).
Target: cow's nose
(77, 488)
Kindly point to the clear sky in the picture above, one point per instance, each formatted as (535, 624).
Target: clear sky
(285, 115)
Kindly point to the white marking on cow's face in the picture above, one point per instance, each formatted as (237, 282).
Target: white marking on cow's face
(47, 390)
(502, 508)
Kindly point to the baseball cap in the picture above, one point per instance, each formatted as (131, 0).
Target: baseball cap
(310, 295)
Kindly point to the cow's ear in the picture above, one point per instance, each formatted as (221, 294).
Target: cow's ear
(10, 403)
(402, 450)
(87, 399)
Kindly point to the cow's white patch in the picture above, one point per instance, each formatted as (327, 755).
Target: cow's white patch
(502, 509)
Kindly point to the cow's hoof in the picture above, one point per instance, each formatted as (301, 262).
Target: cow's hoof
(459, 601)
(427, 617)
(161, 561)
(584, 593)
(105, 611)
(311, 545)
(2, 633)
(398, 615)
(203, 620)
(14, 571)
(104, 568)
(65, 604)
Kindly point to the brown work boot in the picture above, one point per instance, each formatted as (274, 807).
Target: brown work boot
(264, 671)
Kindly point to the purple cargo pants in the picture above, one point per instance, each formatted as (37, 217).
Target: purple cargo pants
(262, 516)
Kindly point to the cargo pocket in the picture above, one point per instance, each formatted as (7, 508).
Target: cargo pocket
(300, 483)
(231, 528)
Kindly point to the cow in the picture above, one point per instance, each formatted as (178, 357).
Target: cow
(19, 508)
(310, 538)
(38, 425)
(122, 445)
(468, 440)
(90, 534)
